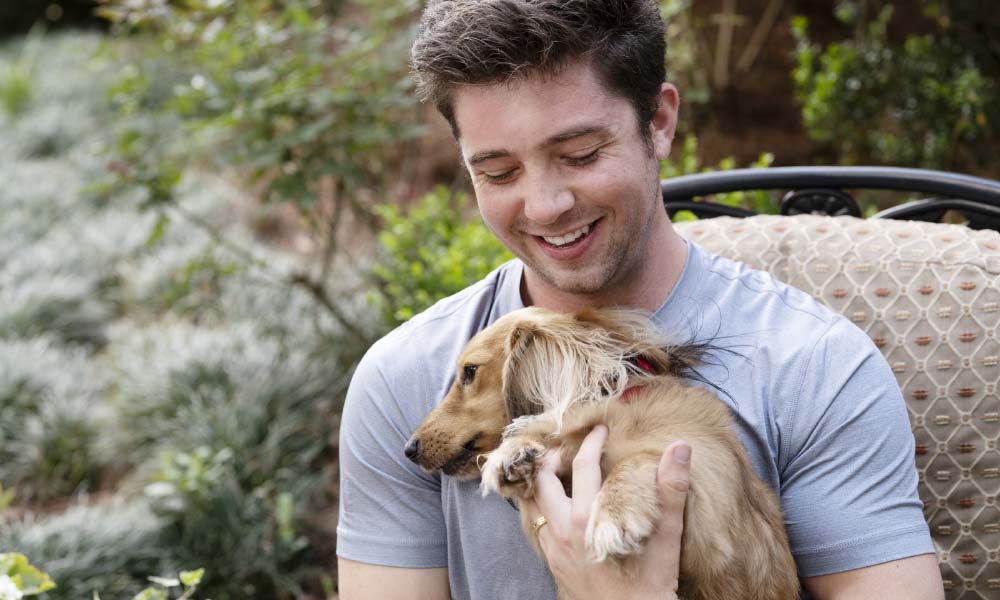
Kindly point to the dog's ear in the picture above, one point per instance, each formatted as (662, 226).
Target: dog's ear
(556, 361)
(518, 371)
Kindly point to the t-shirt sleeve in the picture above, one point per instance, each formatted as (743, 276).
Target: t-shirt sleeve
(390, 511)
(848, 477)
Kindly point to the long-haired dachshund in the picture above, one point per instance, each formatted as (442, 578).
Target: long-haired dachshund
(537, 380)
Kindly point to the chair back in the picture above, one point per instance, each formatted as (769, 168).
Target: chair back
(928, 295)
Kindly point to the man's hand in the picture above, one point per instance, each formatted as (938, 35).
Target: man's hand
(562, 538)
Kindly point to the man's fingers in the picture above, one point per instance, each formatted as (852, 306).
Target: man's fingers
(672, 483)
(674, 472)
(549, 494)
(587, 468)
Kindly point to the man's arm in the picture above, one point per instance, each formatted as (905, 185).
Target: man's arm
(913, 578)
(391, 537)
(361, 581)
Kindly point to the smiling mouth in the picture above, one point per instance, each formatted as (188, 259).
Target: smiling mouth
(571, 238)
(463, 458)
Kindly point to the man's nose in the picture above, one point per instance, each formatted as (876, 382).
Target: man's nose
(547, 200)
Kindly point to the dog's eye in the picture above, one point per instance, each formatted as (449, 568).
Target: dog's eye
(468, 374)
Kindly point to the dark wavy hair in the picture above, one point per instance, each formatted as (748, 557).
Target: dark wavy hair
(463, 42)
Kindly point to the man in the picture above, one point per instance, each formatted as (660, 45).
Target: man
(561, 115)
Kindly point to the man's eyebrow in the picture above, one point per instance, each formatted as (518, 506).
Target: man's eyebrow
(575, 133)
(485, 155)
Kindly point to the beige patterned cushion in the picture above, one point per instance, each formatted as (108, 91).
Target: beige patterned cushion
(929, 296)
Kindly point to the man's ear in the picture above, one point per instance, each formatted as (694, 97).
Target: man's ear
(518, 371)
(664, 122)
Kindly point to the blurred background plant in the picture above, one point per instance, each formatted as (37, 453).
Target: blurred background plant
(15, 79)
(20, 578)
(434, 249)
(211, 208)
(927, 100)
(306, 101)
(129, 345)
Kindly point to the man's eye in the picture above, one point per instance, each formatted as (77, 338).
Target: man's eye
(499, 177)
(468, 374)
(579, 161)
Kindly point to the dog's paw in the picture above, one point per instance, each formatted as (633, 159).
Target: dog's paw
(510, 469)
(616, 532)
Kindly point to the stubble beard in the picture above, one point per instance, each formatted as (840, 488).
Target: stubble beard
(620, 265)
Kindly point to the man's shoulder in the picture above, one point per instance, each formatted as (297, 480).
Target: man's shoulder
(750, 300)
(758, 286)
(785, 322)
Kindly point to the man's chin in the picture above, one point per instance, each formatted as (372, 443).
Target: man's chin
(582, 281)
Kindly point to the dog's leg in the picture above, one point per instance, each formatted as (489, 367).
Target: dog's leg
(510, 469)
(626, 509)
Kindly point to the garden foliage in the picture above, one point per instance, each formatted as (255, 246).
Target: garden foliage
(19, 578)
(430, 251)
(164, 382)
(931, 100)
(306, 102)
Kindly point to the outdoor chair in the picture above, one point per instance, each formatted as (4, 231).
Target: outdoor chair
(928, 295)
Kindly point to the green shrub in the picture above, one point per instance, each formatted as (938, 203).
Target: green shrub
(176, 321)
(291, 91)
(245, 536)
(15, 89)
(17, 85)
(231, 426)
(55, 436)
(430, 251)
(924, 103)
(309, 99)
(110, 548)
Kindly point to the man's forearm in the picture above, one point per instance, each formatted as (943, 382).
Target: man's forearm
(362, 581)
(913, 578)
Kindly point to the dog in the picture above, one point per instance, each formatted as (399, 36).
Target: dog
(537, 380)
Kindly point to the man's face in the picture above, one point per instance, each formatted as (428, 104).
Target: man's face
(565, 180)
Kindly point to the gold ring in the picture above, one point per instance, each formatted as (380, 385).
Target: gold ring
(539, 523)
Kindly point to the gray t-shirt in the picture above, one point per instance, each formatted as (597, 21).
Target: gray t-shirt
(814, 402)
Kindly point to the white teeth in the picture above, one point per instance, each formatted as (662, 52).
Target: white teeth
(569, 237)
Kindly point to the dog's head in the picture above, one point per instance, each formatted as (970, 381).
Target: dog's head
(536, 360)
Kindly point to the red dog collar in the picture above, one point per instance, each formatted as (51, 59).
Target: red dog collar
(630, 391)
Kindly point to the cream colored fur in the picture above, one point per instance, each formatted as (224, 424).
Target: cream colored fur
(543, 380)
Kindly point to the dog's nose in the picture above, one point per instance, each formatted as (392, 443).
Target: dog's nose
(412, 449)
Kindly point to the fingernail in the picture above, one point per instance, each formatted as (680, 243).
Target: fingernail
(682, 454)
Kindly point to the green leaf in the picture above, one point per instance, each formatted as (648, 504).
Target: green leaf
(684, 215)
(191, 578)
(158, 231)
(6, 498)
(164, 581)
(28, 579)
(151, 593)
